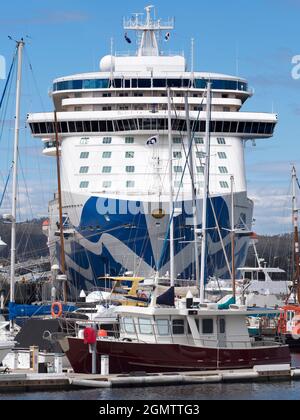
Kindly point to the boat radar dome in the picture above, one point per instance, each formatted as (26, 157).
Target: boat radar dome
(108, 63)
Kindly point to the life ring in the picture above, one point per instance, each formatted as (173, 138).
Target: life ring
(55, 306)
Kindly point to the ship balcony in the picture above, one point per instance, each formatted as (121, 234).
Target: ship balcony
(50, 148)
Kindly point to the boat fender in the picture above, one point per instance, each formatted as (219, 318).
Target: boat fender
(56, 310)
(90, 336)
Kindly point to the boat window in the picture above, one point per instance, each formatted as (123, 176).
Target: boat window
(178, 327)
(207, 326)
(261, 276)
(145, 326)
(222, 326)
(130, 184)
(106, 155)
(129, 325)
(163, 327)
(84, 155)
(84, 170)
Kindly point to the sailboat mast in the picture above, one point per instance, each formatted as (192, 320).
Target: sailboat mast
(205, 193)
(296, 280)
(171, 203)
(60, 207)
(232, 240)
(194, 193)
(20, 46)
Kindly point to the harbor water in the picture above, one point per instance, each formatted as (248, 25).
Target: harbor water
(281, 390)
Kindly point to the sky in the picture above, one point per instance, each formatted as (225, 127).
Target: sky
(256, 40)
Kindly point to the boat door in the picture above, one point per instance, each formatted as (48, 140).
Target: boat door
(290, 315)
(222, 339)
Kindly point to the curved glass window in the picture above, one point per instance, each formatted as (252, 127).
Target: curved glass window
(134, 124)
(146, 84)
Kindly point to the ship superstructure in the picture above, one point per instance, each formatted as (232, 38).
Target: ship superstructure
(113, 131)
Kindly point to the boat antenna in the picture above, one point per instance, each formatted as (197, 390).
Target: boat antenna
(61, 222)
(205, 194)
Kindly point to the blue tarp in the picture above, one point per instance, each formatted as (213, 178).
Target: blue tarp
(28, 311)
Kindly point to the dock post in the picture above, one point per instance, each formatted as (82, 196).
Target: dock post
(94, 358)
(34, 359)
(104, 365)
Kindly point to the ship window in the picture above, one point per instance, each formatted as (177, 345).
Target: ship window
(107, 140)
(163, 327)
(207, 326)
(219, 126)
(224, 184)
(107, 184)
(233, 127)
(129, 155)
(130, 184)
(106, 169)
(159, 83)
(72, 127)
(221, 140)
(222, 326)
(177, 169)
(84, 170)
(79, 126)
(261, 276)
(144, 83)
(129, 140)
(95, 126)
(177, 140)
(200, 169)
(223, 170)
(200, 155)
(84, 184)
(145, 326)
(199, 140)
(129, 325)
(130, 169)
(106, 155)
(178, 327)
(222, 155)
(177, 155)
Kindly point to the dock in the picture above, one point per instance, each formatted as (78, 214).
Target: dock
(27, 381)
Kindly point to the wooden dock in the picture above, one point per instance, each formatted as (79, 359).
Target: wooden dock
(27, 381)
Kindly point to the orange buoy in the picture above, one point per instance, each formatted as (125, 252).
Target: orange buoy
(56, 310)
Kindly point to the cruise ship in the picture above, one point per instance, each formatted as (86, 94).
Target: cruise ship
(114, 142)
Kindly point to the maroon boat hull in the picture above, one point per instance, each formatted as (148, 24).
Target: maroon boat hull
(154, 358)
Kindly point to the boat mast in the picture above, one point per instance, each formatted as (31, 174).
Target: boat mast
(205, 193)
(232, 240)
(60, 207)
(20, 47)
(194, 192)
(171, 203)
(296, 280)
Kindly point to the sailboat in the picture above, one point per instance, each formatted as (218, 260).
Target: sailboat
(183, 335)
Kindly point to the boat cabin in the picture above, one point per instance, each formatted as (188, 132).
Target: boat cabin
(204, 327)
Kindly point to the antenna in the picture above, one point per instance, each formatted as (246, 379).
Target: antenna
(192, 54)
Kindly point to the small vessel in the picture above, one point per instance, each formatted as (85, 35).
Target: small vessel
(170, 339)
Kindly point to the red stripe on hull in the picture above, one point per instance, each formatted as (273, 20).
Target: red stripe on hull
(154, 358)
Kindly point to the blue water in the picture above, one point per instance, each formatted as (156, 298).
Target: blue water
(284, 390)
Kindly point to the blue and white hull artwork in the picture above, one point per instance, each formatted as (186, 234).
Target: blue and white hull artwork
(104, 241)
(114, 141)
